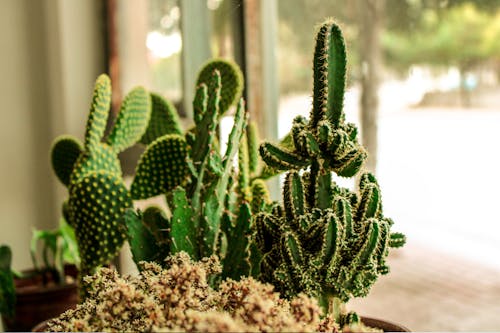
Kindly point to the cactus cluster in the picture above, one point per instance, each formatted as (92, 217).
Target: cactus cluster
(91, 171)
(208, 200)
(326, 241)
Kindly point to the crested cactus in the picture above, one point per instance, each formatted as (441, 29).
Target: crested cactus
(197, 180)
(325, 241)
(92, 173)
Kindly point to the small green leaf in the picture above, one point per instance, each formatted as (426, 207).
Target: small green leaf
(70, 251)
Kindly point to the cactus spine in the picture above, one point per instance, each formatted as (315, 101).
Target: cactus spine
(97, 195)
(325, 240)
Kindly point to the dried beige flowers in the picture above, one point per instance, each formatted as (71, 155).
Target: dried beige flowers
(180, 298)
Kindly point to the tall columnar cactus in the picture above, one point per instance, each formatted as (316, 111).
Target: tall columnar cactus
(197, 181)
(325, 240)
(97, 195)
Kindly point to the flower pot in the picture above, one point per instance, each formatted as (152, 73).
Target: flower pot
(36, 301)
(386, 326)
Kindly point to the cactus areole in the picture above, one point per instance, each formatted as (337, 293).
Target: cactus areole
(326, 241)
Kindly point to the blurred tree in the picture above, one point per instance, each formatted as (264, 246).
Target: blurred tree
(371, 17)
(298, 20)
(462, 36)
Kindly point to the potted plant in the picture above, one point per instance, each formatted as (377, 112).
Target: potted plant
(325, 241)
(210, 202)
(45, 291)
(323, 245)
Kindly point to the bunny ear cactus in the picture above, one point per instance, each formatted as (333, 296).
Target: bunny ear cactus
(164, 120)
(97, 195)
(231, 82)
(326, 241)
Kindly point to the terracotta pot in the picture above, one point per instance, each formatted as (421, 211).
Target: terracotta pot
(386, 326)
(372, 322)
(36, 302)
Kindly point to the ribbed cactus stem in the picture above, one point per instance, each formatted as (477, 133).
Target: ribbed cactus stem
(214, 204)
(244, 170)
(326, 241)
(253, 142)
(260, 196)
(329, 75)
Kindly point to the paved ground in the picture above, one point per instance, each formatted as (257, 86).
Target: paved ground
(431, 291)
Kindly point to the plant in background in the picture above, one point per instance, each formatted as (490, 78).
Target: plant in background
(7, 287)
(325, 241)
(206, 216)
(92, 173)
(59, 248)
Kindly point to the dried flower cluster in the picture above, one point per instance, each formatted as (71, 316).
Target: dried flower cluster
(180, 299)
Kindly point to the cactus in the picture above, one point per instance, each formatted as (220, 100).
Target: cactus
(205, 216)
(164, 120)
(231, 81)
(97, 195)
(325, 241)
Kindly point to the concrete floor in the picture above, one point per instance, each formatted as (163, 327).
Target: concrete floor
(431, 291)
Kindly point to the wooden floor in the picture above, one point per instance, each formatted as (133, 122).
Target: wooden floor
(430, 291)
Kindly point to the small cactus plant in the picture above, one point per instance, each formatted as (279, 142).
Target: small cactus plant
(325, 241)
(91, 171)
(206, 216)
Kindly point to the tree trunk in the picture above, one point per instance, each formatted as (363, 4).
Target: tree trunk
(464, 92)
(370, 14)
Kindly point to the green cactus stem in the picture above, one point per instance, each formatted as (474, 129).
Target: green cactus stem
(64, 154)
(208, 200)
(97, 202)
(150, 230)
(99, 111)
(164, 120)
(231, 81)
(132, 120)
(325, 241)
(161, 168)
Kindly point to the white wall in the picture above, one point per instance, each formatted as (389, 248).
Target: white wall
(51, 52)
